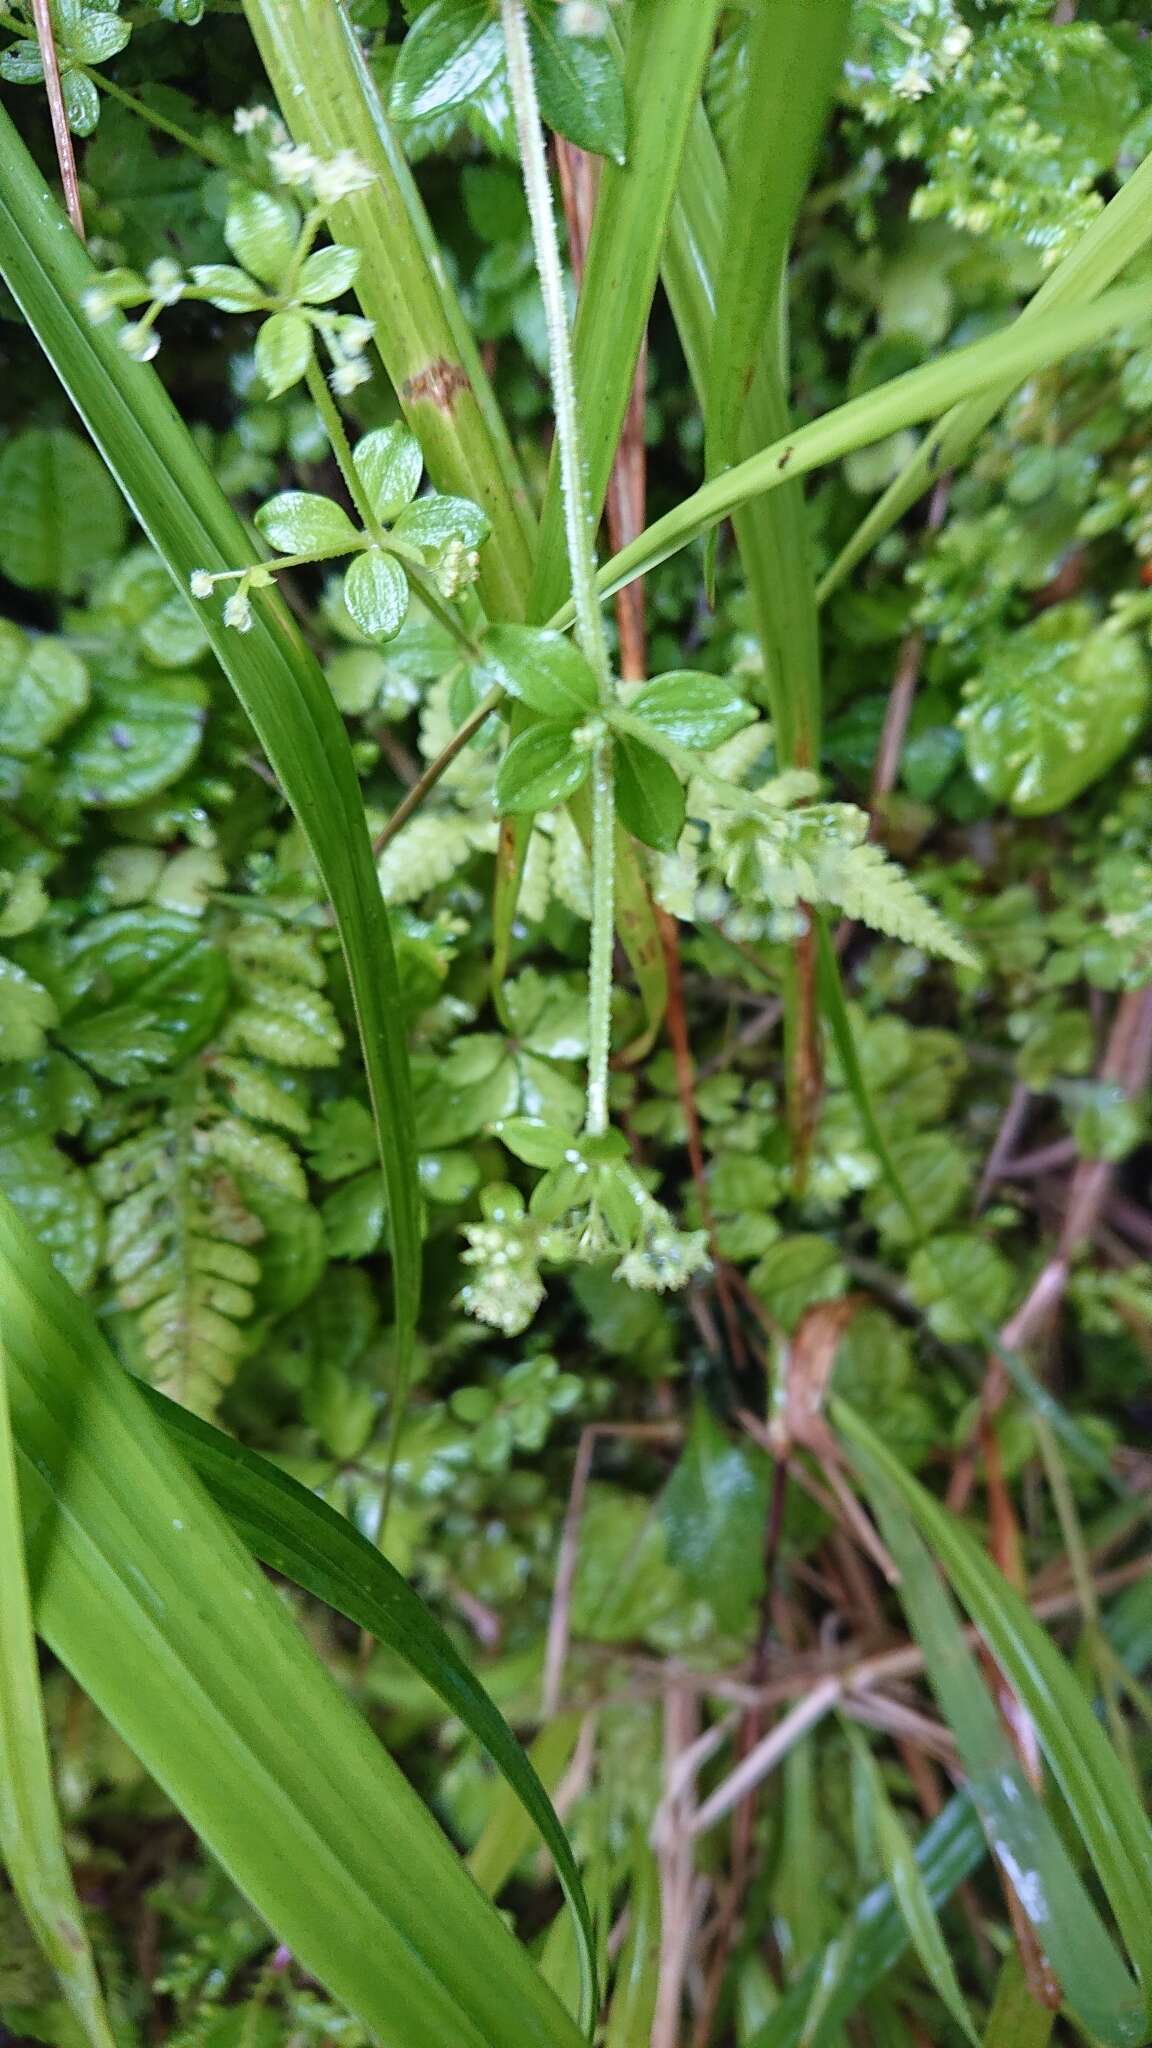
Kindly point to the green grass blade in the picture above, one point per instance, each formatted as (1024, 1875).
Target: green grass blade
(875, 1936)
(1095, 1788)
(1016, 2021)
(330, 102)
(301, 1537)
(277, 680)
(910, 1891)
(795, 49)
(771, 534)
(1019, 352)
(153, 1603)
(31, 1842)
(1118, 235)
(630, 2015)
(667, 47)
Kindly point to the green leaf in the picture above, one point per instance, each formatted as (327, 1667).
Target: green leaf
(303, 522)
(650, 801)
(149, 988)
(933, 1175)
(43, 688)
(138, 738)
(963, 1284)
(543, 670)
(713, 1511)
(31, 1840)
(910, 1891)
(794, 55)
(1016, 2021)
(27, 1013)
(232, 290)
(283, 351)
(794, 1273)
(152, 1603)
(1053, 709)
(389, 464)
(56, 1200)
(60, 517)
(435, 520)
(262, 230)
(535, 1142)
(450, 53)
(541, 768)
(1095, 1787)
(376, 593)
(579, 86)
(96, 34)
(327, 274)
(693, 710)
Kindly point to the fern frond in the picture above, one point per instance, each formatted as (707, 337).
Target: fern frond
(430, 850)
(284, 1015)
(863, 883)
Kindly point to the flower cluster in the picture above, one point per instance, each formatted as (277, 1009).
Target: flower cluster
(589, 1206)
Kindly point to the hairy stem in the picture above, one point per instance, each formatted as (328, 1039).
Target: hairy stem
(578, 532)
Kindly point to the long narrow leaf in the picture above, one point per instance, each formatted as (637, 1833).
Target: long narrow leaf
(278, 681)
(1016, 2021)
(1019, 352)
(668, 43)
(330, 102)
(1114, 238)
(875, 1936)
(910, 1891)
(300, 1536)
(1095, 1788)
(157, 1609)
(31, 1843)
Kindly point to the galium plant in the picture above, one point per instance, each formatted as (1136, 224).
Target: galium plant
(184, 978)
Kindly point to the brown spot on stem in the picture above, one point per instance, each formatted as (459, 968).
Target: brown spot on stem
(437, 385)
(786, 458)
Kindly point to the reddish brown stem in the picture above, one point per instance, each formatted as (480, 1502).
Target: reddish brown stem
(61, 133)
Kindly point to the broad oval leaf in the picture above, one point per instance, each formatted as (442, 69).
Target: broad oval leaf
(60, 516)
(262, 230)
(304, 522)
(650, 801)
(376, 593)
(535, 1142)
(450, 53)
(1054, 709)
(544, 670)
(137, 739)
(389, 465)
(697, 711)
(541, 768)
(434, 520)
(283, 351)
(232, 290)
(327, 274)
(43, 689)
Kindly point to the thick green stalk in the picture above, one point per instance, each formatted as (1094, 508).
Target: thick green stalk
(329, 101)
(668, 42)
(578, 533)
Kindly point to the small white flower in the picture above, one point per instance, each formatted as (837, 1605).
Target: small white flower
(341, 175)
(346, 376)
(165, 280)
(458, 566)
(913, 83)
(355, 334)
(139, 342)
(582, 18)
(98, 304)
(293, 164)
(201, 583)
(246, 120)
(238, 612)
